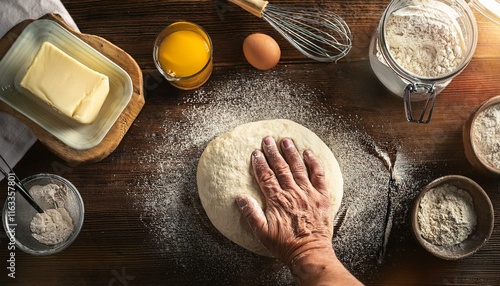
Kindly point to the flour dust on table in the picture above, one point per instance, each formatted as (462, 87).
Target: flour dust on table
(170, 206)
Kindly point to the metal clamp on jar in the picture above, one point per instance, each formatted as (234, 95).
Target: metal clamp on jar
(420, 46)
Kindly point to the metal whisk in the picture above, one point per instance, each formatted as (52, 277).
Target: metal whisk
(318, 34)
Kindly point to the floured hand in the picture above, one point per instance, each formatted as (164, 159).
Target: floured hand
(295, 224)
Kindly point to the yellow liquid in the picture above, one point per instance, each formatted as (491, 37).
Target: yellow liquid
(183, 53)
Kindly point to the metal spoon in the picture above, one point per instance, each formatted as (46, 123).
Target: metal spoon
(19, 186)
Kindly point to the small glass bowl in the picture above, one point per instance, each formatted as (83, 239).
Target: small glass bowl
(484, 214)
(16, 221)
(191, 81)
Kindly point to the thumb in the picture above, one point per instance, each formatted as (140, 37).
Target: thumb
(253, 214)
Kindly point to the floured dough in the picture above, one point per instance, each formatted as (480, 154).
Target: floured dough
(225, 171)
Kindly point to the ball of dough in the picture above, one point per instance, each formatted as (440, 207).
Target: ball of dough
(261, 51)
(225, 171)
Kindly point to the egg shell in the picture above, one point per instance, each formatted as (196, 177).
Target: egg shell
(261, 51)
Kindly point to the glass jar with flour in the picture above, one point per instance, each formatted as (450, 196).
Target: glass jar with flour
(420, 46)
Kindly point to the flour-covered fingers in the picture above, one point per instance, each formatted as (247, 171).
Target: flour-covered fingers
(254, 215)
(316, 171)
(295, 163)
(264, 175)
(277, 163)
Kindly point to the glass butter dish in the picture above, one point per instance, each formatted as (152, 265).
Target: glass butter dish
(13, 67)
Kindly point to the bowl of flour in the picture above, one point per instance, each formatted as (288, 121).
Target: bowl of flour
(51, 231)
(452, 217)
(481, 137)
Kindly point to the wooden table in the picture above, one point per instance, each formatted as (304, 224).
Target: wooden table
(144, 224)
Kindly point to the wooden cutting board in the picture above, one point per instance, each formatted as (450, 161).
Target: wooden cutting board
(122, 124)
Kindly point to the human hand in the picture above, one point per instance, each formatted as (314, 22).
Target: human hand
(297, 214)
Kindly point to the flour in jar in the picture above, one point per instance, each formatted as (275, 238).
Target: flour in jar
(425, 38)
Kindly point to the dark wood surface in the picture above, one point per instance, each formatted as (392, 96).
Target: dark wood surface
(122, 243)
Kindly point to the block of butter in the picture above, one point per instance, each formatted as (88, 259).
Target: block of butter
(66, 84)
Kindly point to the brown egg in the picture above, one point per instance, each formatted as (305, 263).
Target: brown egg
(261, 51)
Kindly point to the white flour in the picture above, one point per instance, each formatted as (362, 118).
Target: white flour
(446, 215)
(51, 194)
(54, 225)
(486, 135)
(168, 201)
(425, 38)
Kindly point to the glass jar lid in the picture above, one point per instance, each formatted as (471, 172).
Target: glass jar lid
(489, 8)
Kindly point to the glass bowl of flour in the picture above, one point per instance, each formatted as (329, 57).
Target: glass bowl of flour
(481, 137)
(49, 232)
(452, 217)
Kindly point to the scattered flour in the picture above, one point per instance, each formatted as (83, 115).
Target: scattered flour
(446, 215)
(168, 199)
(425, 38)
(486, 135)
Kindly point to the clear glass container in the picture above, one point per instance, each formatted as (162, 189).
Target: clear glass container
(429, 32)
(489, 8)
(187, 63)
(18, 214)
